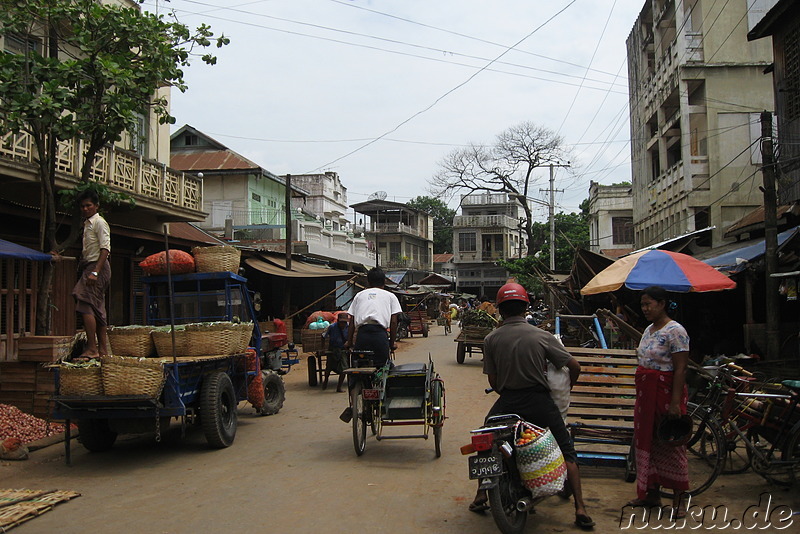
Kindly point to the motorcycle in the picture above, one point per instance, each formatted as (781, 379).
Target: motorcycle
(495, 467)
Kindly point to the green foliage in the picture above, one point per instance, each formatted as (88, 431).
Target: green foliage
(442, 221)
(68, 197)
(572, 232)
(111, 60)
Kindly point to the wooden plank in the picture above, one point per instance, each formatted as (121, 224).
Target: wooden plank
(602, 401)
(599, 390)
(596, 360)
(622, 413)
(627, 425)
(611, 380)
(609, 370)
(601, 352)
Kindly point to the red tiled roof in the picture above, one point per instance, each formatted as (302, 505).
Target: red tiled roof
(442, 258)
(210, 160)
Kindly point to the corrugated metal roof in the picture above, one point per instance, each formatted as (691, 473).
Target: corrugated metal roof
(755, 219)
(213, 160)
(442, 258)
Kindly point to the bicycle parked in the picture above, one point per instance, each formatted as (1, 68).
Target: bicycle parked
(763, 425)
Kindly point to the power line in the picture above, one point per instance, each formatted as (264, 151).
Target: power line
(448, 92)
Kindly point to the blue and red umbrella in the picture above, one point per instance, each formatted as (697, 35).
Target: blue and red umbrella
(671, 270)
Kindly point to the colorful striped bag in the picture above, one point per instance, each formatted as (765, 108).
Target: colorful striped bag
(539, 460)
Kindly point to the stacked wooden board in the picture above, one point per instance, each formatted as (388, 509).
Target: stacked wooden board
(26, 383)
(600, 415)
(20, 505)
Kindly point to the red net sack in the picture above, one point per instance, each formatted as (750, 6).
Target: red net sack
(156, 264)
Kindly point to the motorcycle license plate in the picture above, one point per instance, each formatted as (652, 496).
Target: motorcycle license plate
(371, 394)
(485, 466)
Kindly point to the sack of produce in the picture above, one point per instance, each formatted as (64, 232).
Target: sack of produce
(13, 449)
(156, 264)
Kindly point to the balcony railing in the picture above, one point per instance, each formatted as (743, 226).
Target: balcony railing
(120, 170)
(487, 198)
(485, 221)
(395, 228)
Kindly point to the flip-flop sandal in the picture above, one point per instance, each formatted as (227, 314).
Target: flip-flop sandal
(584, 521)
(479, 507)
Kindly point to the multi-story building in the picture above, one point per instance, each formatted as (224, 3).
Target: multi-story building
(402, 236)
(782, 22)
(487, 230)
(327, 197)
(696, 88)
(234, 188)
(610, 219)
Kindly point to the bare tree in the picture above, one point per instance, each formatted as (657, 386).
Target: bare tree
(507, 166)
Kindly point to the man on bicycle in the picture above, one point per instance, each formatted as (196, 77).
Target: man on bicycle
(372, 312)
(515, 359)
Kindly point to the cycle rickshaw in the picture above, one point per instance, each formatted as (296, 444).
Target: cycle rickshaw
(405, 395)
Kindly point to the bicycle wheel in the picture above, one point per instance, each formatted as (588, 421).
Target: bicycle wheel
(791, 453)
(738, 455)
(359, 419)
(705, 451)
(437, 414)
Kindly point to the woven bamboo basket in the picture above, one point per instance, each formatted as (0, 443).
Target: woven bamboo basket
(80, 380)
(216, 259)
(475, 332)
(134, 341)
(132, 376)
(205, 339)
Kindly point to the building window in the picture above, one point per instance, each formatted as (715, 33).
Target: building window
(18, 44)
(791, 51)
(256, 197)
(466, 242)
(138, 135)
(190, 140)
(622, 230)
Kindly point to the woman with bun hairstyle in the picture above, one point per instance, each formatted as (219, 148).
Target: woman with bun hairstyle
(663, 355)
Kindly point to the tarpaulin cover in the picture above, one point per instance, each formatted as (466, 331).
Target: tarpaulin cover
(18, 252)
(735, 261)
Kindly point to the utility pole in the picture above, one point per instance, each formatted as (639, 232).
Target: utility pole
(288, 215)
(552, 208)
(770, 236)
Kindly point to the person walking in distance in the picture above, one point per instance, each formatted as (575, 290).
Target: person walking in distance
(515, 357)
(94, 273)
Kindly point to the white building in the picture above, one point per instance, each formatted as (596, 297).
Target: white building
(610, 219)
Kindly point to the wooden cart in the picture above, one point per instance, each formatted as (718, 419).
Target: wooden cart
(419, 323)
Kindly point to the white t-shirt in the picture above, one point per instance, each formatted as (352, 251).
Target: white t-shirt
(374, 305)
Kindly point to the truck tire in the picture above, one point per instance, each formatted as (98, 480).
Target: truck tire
(95, 434)
(274, 393)
(313, 379)
(218, 406)
(425, 329)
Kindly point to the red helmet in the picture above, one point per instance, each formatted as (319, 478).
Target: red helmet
(512, 291)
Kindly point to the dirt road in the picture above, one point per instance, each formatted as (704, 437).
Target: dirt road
(296, 472)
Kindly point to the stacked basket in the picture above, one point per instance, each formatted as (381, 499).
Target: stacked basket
(80, 379)
(216, 259)
(134, 341)
(204, 339)
(132, 376)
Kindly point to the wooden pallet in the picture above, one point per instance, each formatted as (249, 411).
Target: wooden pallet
(600, 415)
(20, 505)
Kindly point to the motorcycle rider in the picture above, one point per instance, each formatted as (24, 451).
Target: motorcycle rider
(515, 359)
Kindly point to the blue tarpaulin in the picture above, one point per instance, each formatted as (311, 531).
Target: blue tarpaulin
(18, 252)
(736, 260)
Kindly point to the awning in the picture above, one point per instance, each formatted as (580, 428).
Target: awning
(299, 270)
(396, 276)
(18, 252)
(736, 260)
(676, 244)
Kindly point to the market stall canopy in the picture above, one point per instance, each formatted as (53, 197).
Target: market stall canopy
(671, 270)
(300, 269)
(736, 259)
(18, 252)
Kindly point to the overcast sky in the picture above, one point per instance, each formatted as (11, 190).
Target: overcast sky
(380, 91)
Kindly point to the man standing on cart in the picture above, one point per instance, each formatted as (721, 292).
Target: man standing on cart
(515, 360)
(372, 312)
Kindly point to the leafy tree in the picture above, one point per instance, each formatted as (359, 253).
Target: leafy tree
(442, 221)
(505, 167)
(98, 67)
(572, 232)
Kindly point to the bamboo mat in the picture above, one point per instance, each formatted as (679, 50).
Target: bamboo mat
(20, 505)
